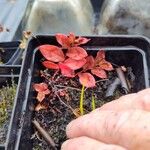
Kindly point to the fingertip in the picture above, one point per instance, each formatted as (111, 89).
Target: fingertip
(64, 145)
(68, 129)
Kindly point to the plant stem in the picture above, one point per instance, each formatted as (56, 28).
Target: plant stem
(44, 133)
(93, 102)
(102, 80)
(81, 100)
(68, 87)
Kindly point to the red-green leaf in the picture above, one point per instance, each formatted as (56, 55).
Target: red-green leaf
(76, 53)
(71, 39)
(100, 54)
(86, 79)
(99, 72)
(50, 65)
(81, 40)
(63, 40)
(105, 65)
(66, 71)
(40, 87)
(74, 64)
(52, 53)
(89, 63)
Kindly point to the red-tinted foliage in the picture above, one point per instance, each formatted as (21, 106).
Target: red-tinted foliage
(105, 65)
(66, 71)
(50, 65)
(74, 64)
(89, 63)
(40, 107)
(74, 58)
(62, 39)
(81, 40)
(52, 53)
(86, 79)
(42, 89)
(70, 40)
(76, 53)
(101, 62)
(99, 72)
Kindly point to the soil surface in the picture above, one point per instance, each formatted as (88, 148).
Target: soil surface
(55, 118)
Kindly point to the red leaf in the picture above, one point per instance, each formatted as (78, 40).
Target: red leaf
(81, 40)
(46, 92)
(52, 53)
(40, 107)
(105, 65)
(86, 79)
(89, 63)
(99, 72)
(40, 96)
(100, 55)
(63, 40)
(76, 53)
(40, 87)
(74, 64)
(50, 65)
(71, 39)
(66, 71)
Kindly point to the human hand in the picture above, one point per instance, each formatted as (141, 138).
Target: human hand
(122, 124)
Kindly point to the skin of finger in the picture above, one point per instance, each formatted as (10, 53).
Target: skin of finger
(129, 129)
(86, 143)
(140, 100)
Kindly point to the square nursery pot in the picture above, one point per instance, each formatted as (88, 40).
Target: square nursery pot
(10, 53)
(128, 51)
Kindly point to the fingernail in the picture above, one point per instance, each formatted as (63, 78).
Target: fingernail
(64, 145)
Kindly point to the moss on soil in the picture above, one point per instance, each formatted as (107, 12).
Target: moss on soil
(7, 95)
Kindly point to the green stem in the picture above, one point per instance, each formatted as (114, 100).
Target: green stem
(93, 102)
(81, 100)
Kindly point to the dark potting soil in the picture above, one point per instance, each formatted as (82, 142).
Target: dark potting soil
(55, 118)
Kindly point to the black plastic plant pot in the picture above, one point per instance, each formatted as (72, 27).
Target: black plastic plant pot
(128, 51)
(10, 53)
(7, 71)
(7, 101)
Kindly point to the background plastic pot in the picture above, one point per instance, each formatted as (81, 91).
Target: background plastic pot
(10, 53)
(122, 50)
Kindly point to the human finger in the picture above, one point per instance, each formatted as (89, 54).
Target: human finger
(86, 143)
(129, 129)
(140, 100)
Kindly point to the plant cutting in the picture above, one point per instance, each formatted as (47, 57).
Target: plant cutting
(41, 125)
(74, 82)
